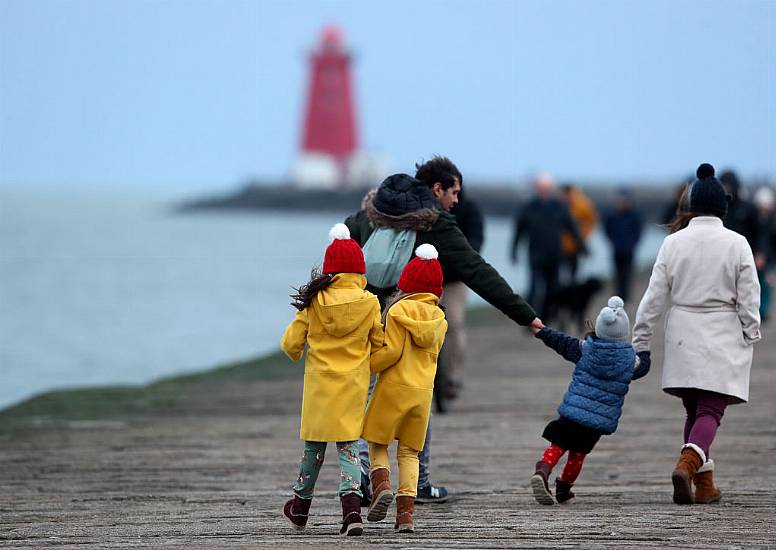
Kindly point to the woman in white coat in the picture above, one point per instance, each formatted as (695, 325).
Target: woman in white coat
(705, 277)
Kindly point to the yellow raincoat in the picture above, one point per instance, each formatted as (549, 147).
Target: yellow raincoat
(341, 327)
(401, 401)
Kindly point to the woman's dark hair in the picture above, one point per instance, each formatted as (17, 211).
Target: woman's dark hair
(304, 295)
(438, 169)
(683, 215)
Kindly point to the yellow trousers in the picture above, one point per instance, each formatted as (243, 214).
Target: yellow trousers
(408, 465)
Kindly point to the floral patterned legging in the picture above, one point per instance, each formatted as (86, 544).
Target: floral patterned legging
(312, 460)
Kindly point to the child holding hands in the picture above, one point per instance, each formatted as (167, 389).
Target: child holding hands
(605, 363)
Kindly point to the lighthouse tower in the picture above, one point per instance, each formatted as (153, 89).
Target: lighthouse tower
(330, 155)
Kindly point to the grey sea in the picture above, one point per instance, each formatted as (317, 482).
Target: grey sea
(108, 286)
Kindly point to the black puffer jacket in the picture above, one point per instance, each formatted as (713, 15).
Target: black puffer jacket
(404, 195)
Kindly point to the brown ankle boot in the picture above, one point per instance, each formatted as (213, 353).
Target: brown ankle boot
(705, 491)
(690, 460)
(352, 525)
(405, 507)
(382, 495)
(296, 510)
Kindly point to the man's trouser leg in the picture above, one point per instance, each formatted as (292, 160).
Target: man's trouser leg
(363, 452)
(424, 456)
(454, 349)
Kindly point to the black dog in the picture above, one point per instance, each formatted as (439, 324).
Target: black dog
(572, 302)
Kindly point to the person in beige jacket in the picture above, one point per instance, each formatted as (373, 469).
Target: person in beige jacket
(705, 277)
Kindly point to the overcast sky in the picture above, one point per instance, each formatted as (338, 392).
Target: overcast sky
(207, 93)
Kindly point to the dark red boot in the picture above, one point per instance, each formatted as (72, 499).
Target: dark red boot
(563, 492)
(297, 511)
(352, 525)
(540, 485)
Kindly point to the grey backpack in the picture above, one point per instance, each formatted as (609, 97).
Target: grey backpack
(386, 252)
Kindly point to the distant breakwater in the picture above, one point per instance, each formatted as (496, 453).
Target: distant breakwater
(494, 200)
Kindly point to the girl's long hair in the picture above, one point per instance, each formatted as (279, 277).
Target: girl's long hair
(304, 295)
(392, 299)
(590, 328)
(683, 215)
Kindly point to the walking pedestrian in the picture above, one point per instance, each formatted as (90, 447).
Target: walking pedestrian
(623, 226)
(705, 276)
(542, 220)
(585, 215)
(339, 323)
(400, 405)
(421, 207)
(592, 406)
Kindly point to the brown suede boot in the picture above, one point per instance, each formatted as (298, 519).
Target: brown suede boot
(540, 485)
(352, 525)
(405, 507)
(382, 495)
(296, 510)
(691, 458)
(705, 491)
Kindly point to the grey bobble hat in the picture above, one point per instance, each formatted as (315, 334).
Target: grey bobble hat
(612, 322)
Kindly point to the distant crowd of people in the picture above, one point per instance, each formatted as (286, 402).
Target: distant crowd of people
(382, 324)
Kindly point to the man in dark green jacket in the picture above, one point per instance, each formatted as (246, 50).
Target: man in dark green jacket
(403, 202)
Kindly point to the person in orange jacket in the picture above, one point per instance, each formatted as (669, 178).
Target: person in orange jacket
(339, 322)
(400, 406)
(584, 213)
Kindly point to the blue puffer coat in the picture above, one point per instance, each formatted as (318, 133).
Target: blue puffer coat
(600, 381)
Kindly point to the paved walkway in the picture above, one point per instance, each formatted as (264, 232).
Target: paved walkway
(215, 472)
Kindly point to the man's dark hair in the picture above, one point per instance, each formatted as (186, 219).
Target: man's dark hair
(438, 169)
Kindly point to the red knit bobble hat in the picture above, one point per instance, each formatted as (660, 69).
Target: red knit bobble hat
(343, 255)
(423, 272)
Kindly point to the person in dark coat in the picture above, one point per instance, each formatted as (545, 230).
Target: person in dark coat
(543, 219)
(605, 365)
(741, 215)
(449, 381)
(402, 202)
(623, 227)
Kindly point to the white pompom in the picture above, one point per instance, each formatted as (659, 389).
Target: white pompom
(608, 315)
(339, 232)
(615, 302)
(427, 252)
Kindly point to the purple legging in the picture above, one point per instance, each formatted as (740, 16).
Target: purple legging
(704, 413)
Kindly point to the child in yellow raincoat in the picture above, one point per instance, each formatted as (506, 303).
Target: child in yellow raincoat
(339, 322)
(415, 329)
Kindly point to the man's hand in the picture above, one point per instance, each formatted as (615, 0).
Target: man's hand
(536, 325)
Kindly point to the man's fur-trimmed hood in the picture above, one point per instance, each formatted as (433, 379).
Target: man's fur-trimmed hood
(417, 220)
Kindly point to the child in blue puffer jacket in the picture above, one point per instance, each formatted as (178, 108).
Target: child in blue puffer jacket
(605, 365)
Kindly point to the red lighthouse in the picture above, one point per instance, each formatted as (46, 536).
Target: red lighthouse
(329, 124)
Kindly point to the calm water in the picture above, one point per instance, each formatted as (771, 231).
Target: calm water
(106, 287)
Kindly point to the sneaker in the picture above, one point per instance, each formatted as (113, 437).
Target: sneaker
(431, 494)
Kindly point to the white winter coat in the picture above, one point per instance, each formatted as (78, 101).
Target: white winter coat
(705, 277)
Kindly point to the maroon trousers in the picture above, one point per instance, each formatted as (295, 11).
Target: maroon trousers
(704, 413)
